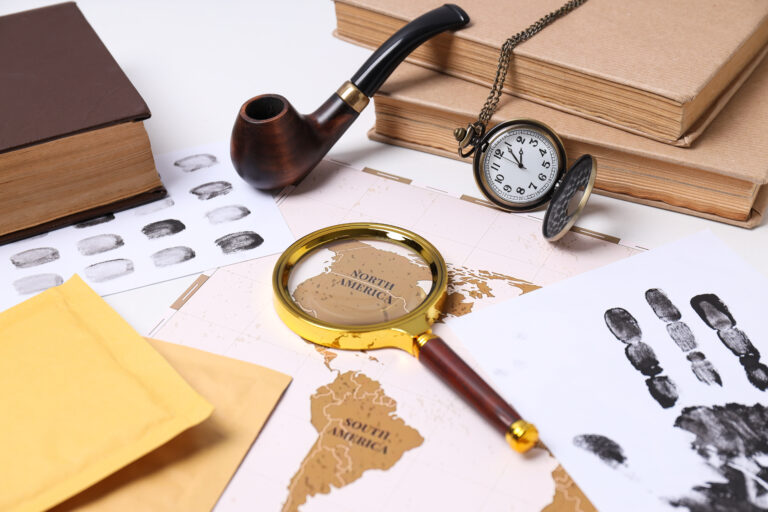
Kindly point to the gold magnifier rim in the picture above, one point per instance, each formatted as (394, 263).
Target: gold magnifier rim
(400, 332)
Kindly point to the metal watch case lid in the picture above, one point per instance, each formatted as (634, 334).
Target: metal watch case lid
(561, 214)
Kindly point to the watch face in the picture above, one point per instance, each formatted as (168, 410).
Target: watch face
(519, 165)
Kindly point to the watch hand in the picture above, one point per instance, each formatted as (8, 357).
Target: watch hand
(516, 161)
(521, 159)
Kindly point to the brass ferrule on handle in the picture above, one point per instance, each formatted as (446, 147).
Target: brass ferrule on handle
(420, 341)
(353, 96)
(522, 436)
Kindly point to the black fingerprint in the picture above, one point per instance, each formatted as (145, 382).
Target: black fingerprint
(99, 243)
(662, 306)
(703, 369)
(96, 221)
(210, 190)
(625, 328)
(163, 228)
(36, 283)
(715, 313)
(155, 206)
(172, 256)
(663, 390)
(34, 257)
(227, 214)
(607, 449)
(643, 358)
(682, 335)
(108, 270)
(196, 162)
(623, 325)
(241, 241)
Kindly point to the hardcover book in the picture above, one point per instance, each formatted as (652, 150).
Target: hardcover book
(656, 68)
(722, 177)
(72, 141)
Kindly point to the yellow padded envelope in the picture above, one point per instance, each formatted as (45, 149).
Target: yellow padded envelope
(81, 395)
(190, 472)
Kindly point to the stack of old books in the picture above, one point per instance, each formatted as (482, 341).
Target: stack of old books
(670, 97)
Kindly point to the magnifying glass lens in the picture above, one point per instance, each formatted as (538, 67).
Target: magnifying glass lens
(359, 282)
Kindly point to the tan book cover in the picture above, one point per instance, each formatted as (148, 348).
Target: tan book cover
(660, 69)
(720, 177)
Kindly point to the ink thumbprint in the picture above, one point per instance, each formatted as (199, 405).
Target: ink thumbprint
(99, 243)
(36, 283)
(210, 190)
(163, 228)
(196, 162)
(172, 256)
(34, 257)
(108, 270)
(227, 214)
(241, 241)
(154, 206)
(96, 221)
(608, 450)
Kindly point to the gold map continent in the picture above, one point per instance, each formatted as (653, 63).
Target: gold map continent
(357, 431)
(363, 284)
(466, 285)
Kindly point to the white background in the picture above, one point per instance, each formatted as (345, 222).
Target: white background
(196, 62)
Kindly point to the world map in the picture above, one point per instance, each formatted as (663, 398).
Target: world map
(323, 448)
(358, 429)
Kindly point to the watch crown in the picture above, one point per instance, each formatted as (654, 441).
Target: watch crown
(459, 134)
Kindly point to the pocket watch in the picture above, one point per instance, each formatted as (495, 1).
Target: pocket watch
(520, 165)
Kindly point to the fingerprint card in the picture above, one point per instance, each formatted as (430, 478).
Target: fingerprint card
(210, 218)
(646, 378)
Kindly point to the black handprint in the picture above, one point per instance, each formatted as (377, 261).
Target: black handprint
(732, 438)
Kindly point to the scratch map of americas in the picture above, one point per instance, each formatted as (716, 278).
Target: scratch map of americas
(355, 420)
(357, 431)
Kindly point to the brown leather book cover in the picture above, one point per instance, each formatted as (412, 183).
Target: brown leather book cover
(657, 68)
(57, 78)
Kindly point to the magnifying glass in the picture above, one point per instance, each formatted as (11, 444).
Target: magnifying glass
(365, 286)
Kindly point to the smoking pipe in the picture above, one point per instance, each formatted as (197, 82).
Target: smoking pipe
(274, 146)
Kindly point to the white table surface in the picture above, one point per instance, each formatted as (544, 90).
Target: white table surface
(195, 62)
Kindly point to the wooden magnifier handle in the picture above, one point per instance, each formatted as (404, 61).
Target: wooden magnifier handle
(436, 355)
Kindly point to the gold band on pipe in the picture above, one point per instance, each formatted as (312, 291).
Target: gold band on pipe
(522, 436)
(352, 96)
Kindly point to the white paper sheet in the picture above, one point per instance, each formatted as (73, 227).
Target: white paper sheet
(552, 355)
(210, 218)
